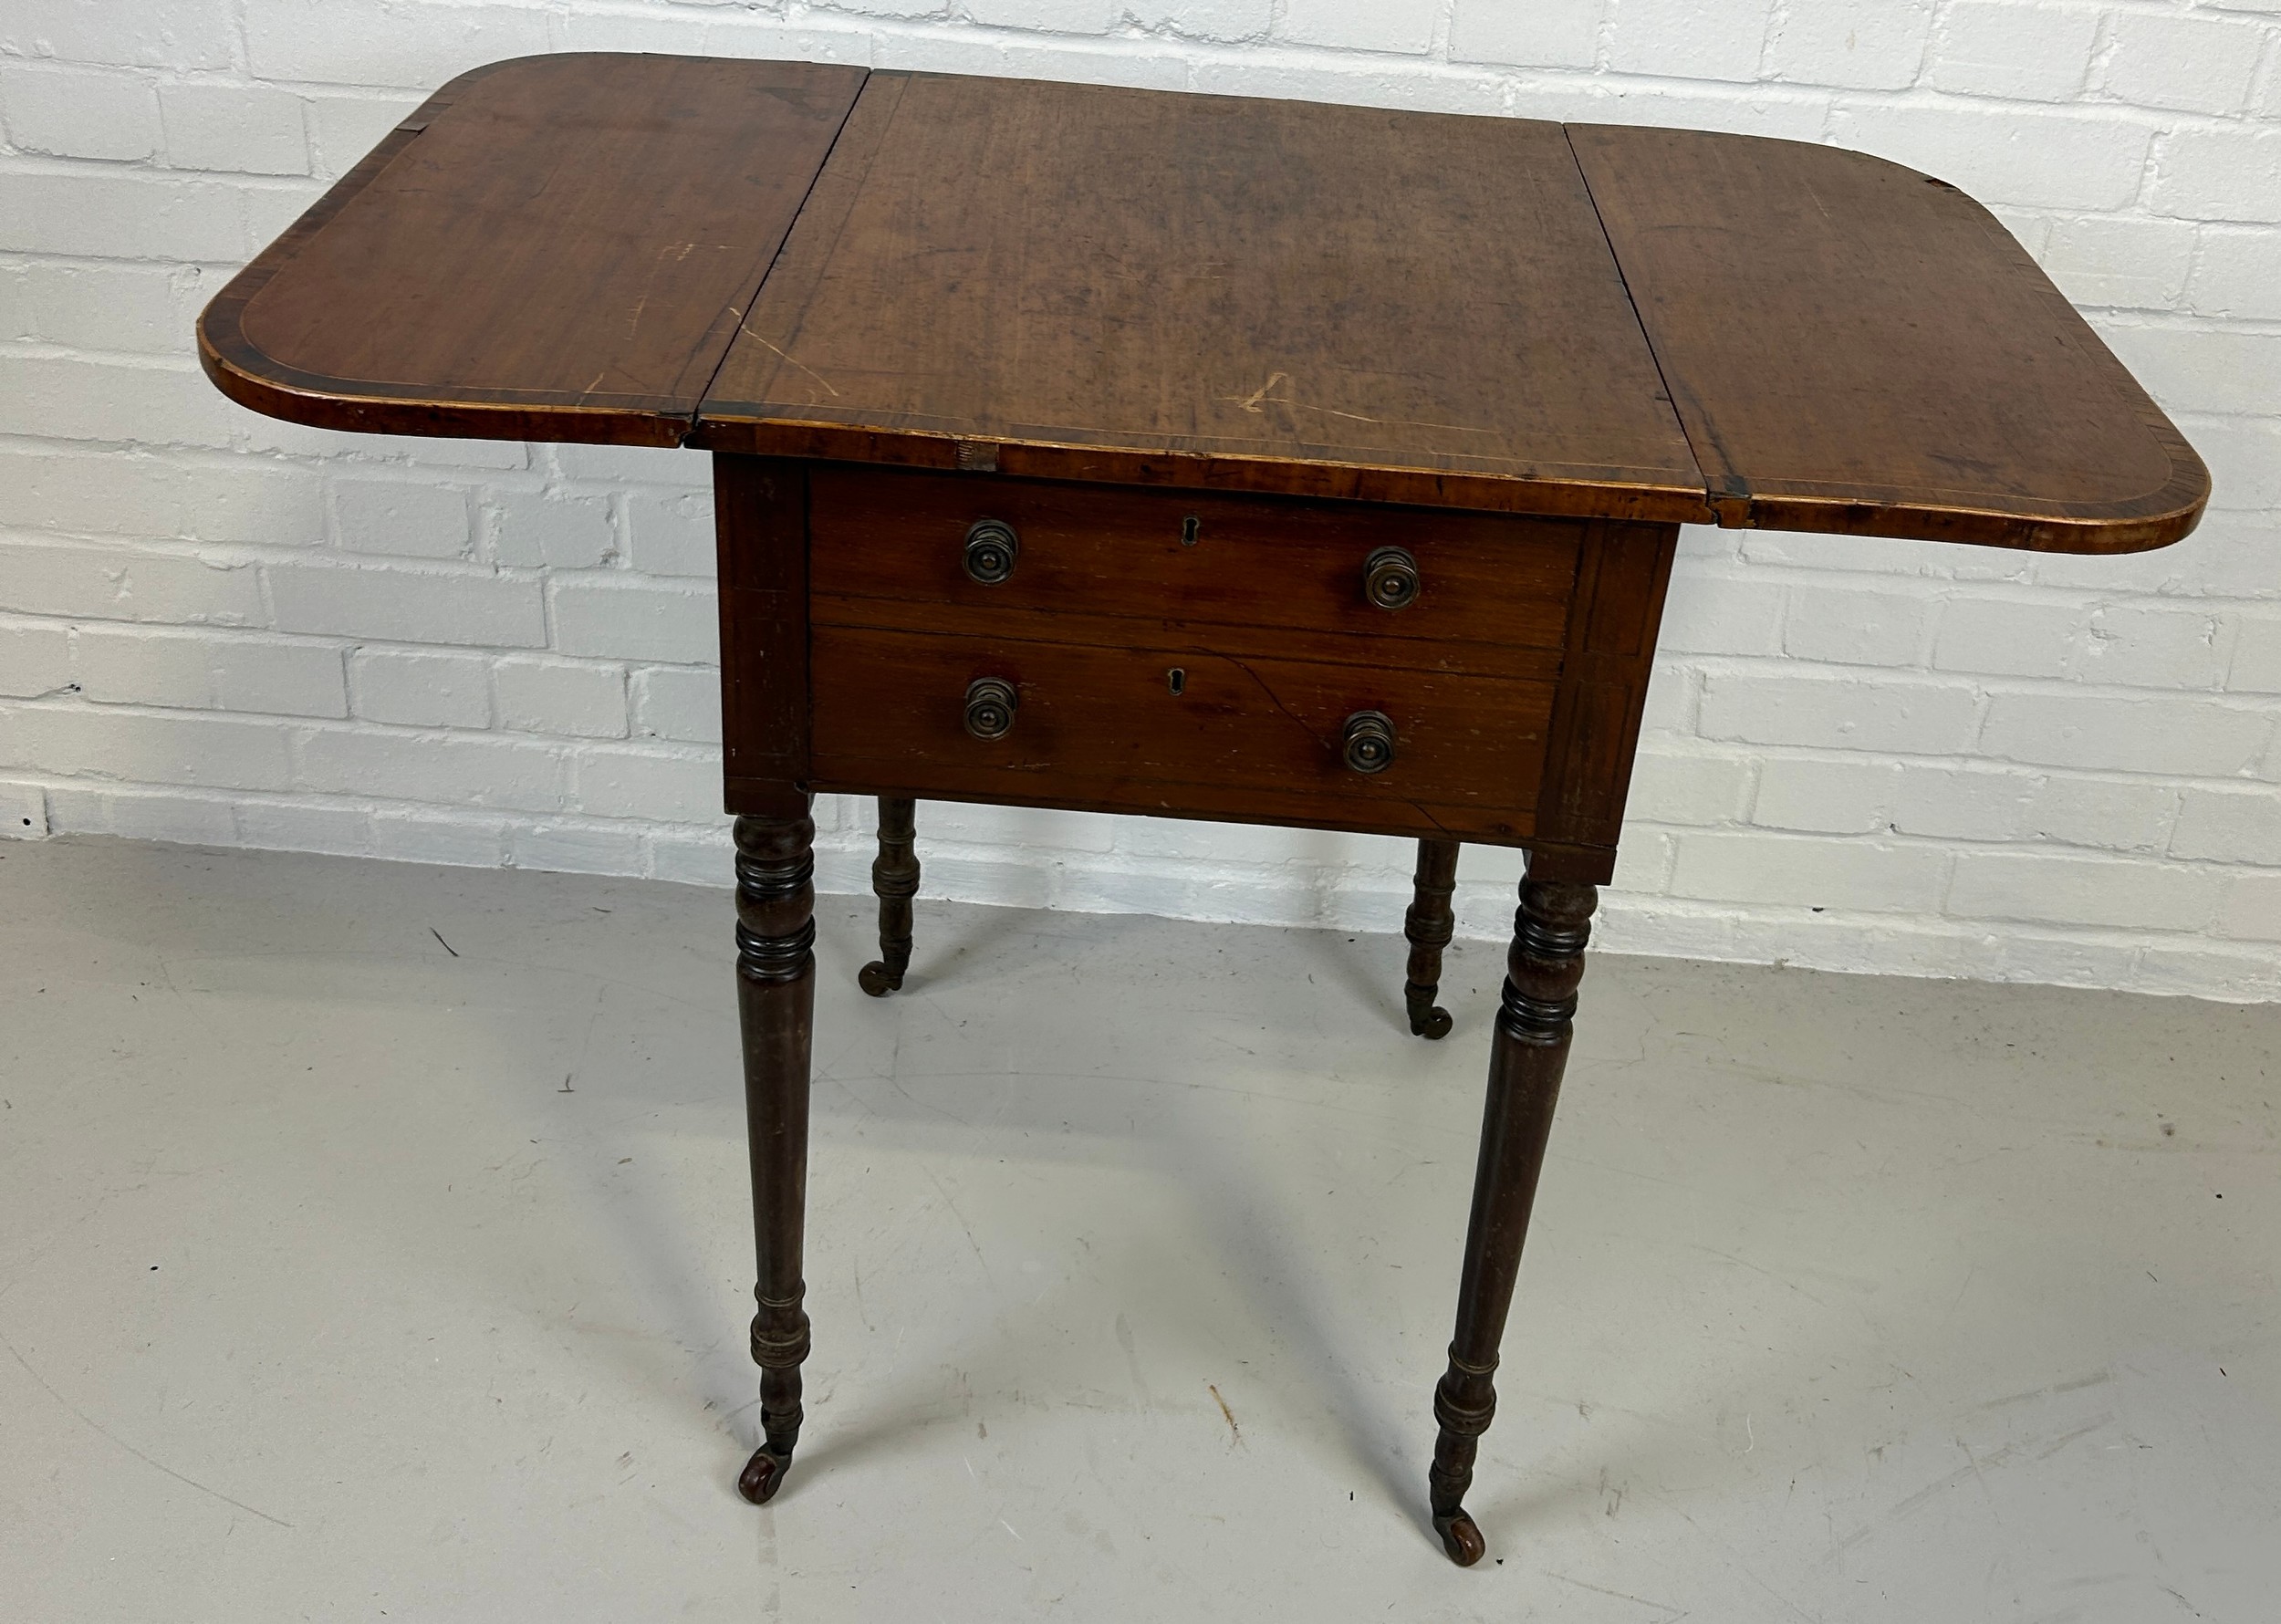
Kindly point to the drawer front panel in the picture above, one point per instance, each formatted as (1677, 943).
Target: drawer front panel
(1244, 736)
(1492, 592)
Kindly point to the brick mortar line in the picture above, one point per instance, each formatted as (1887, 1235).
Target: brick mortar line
(1985, 684)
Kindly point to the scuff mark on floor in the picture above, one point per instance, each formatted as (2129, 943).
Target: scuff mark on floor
(95, 1426)
(1132, 1362)
(1236, 1434)
(1669, 1612)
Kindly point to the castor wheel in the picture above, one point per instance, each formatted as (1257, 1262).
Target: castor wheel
(894, 880)
(1434, 1023)
(1461, 1537)
(1429, 925)
(764, 1475)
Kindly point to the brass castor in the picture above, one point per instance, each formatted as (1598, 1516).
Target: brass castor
(764, 1475)
(1429, 925)
(1426, 1019)
(1461, 1537)
(895, 881)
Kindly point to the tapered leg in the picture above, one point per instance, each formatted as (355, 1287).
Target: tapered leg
(894, 880)
(1429, 925)
(775, 998)
(1526, 1060)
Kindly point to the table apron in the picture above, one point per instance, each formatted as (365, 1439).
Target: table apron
(1173, 655)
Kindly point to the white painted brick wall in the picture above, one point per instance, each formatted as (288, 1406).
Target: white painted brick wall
(73, 113)
(2020, 53)
(1864, 755)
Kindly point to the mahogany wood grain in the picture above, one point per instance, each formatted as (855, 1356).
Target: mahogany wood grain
(1613, 617)
(760, 523)
(775, 998)
(1189, 638)
(1428, 925)
(1856, 346)
(1277, 576)
(1095, 283)
(1528, 1053)
(1103, 725)
(555, 247)
(894, 881)
(1143, 288)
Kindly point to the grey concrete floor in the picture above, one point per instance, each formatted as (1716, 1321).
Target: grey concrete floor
(373, 1243)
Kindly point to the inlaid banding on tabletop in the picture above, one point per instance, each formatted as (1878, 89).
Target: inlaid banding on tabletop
(555, 247)
(1855, 346)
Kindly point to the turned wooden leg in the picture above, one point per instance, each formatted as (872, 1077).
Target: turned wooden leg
(775, 998)
(1526, 1057)
(894, 880)
(1429, 925)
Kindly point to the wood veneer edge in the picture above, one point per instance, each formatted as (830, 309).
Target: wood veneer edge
(2155, 519)
(257, 380)
(261, 382)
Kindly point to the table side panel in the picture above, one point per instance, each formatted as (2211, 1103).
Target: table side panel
(1855, 346)
(1614, 616)
(1525, 746)
(1097, 283)
(557, 247)
(760, 520)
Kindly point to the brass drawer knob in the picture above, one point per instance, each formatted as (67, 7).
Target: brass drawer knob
(990, 705)
(1389, 579)
(991, 549)
(1369, 741)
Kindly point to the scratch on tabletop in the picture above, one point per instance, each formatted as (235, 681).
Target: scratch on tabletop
(439, 941)
(1251, 402)
(1264, 394)
(678, 252)
(787, 360)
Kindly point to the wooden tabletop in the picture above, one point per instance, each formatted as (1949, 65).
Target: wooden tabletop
(553, 248)
(1853, 346)
(1377, 304)
(1142, 288)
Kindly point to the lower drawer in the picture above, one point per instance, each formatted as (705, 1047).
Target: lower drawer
(1148, 730)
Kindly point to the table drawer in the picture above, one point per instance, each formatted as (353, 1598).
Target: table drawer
(1229, 735)
(1483, 592)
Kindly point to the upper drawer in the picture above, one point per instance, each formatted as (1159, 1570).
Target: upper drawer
(1483, 583)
